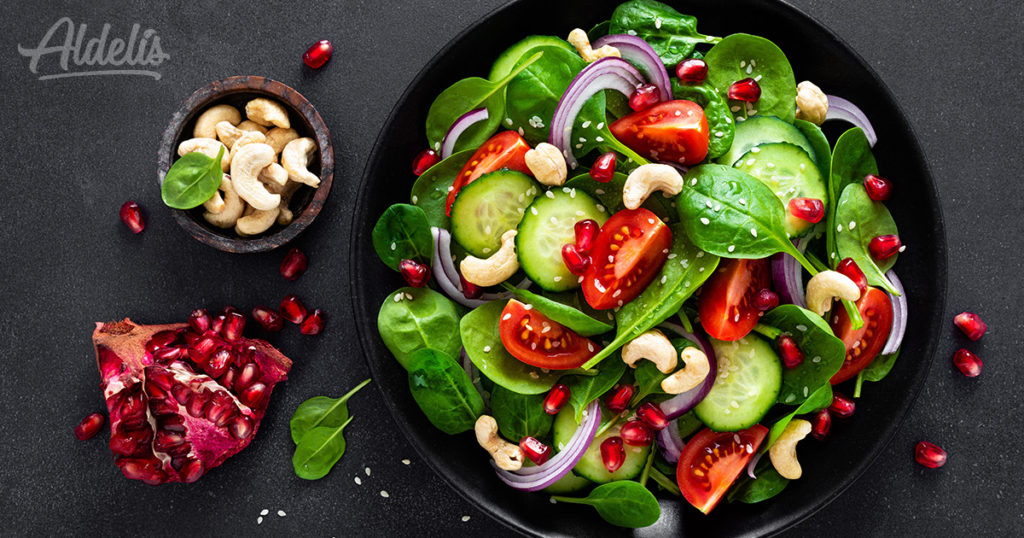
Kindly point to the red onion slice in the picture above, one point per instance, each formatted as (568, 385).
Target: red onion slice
(635, 50)
(841, 109)
(680, 404)
(670, 443)
(753, 464)
(787, 274)
(899, 315)
(447, 275)
(464, 122)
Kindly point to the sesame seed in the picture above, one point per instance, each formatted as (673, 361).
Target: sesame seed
(598, 191)
(549, 194)
(264, 512)
(672, 256)
(487, 349)
(853, 224)
(599, 138)
(528, 307)
(708, 203)
(758, 78)
(578, 146)
(743, 63)
(750, 69)
(743, 201)
(520, 134)
(902, 248)
(753, 232)
(805, 392)
(557, 279)
(585, 124)
(465, 518)
(664, 278)
(731, 248)
(750, 161)
(839, 228)
(705, 221)
(600, 125)
(801, 328)
(734, 108)
(657, 23)
(406, 462)
(393, 245)
(384, 494)
(755, 150)
(487, 250)
(259, 520)
(533, 210)
(693, 182)
(415, 199)
(719, 134)
(359, 481)
(508, 121)
(367, 471)
(408, 296)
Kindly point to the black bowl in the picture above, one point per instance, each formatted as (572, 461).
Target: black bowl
(816, 54)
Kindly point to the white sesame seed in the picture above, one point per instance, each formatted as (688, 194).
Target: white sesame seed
(487, 349)
(751, 161)
(853, 224)
(731, 248)
(758, 78)
(264, 512)
(600, 125)
(393, 245)
(839, 228)
(384, 494)
(743, 63)
(902, 248)
(664, 278)
(719, 134)
(750, 69)
(705, 221)
(585, 124)
(528, 307)
(598, 191)
(415, 199)
(693, 182)
(533, 210)
(672, 256)
(520, 134)
(406, 462)
(599, 138)
(708, 203)
(367, 471)
(657, 23)
(259, 520)
(508, 121)
(549, 194)
(408, 296)
(465, 518)
(487, 250)
(753, 232)
(557, 279)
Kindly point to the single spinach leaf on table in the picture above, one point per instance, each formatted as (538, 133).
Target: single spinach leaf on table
(403, 232)
(430, 192)
(192, 180)
(851, 161)
(818, 399)
(321, 411)
(862, 219)
(623, 503)
(824, 354)
(880, 366)
(520, 415)
(670, 33)
(411, 319)
(741, 56)
(721, 126)
(564, 314)
(479, 330)
(585, 389)
(318, 451)
(444, 392)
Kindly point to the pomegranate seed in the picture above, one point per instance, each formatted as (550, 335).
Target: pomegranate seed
(851, 270)
(191, 471)
(809, 209)
(791, 354)
(879, 189)
(586, 232)
(218, 323)
(233, 326)
(692, 71)
(131, 215)
(201, 349)
(294, 264)
(968, 363)
(556, 399)
(469, 289)
(576, 262)
(604, 168)
(424, 160)
(884, 246)
(292, 309)
(929, 455)
(253, 394)
(318, 53)
(228, 310)
(219, 363)
(537, 451)
(842, 406)
(766, 300)
(241, 427)
(619, 399)
(89, 426)
(644, 97)
(971, 325)
(199, 320)
(745, 90)
(613, 455)
(168, 354)
(269, 319)
(636, 433)
(313, 324)
(652, 415)
(160, 340)
(414, 272)
(821, 423)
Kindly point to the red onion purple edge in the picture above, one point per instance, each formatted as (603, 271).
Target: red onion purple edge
(752, 464)
(680, 404)
(635, 50)
(670, 443)
(899, 315)
(787, 274)
(464, 122)
(841, 109)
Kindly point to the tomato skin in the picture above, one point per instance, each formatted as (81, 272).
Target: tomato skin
(504, 150)
(638, 254)
(727, 305)
(876, 310)
(704, 484)
(663, 135)
(556, 349)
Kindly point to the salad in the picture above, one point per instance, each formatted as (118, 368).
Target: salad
(637, 266)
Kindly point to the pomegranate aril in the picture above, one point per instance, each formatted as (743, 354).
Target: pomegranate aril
(424, 160)
(809, 209)
(556, 399)
(745, 90)
(191, 471)
(929, 455)
(197, 403)
(644, 97)
(240, 427)
(613, 455)
(233, 326)
(884, 246)
(166, 440)
(219, 363)
(168, 354)
(313, 324)
(159, 377)
(652, 415)
(619, 398)
(537, 451)
(292, 309)
(253, 394)
(140, 469)
(851, 270)
(89, 426)
(790, 352)
(199, 320)
(318, 53)
(766, 300)
(269, 319)
(575, 261)
(217, 325)
(586, 232)
(604, 168)
(842, 407)
(415, 273)
(879, 189)
(968, 363)
(160, 340)
(181, 393)
(131, 215)
(821, 424)
(249, 373)
(692, 71)
(294, 264)
(469, 289)
(636, 433)
(971, 325)
(229, 378)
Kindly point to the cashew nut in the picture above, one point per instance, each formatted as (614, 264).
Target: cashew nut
(266, 113)
(783, 452)
(811, 103)
(207, 146)
(215, 204)
(256, 221)
(249, 125)
(228, 134)
(506, 455)
(654, 346)
(295, 159)
(578, 38)
(547, 164)
(233, 206)
(248, 137)
(825, 286)
(206, 124)
(494, 270)
(274, 174)
(278, 138)
(695, 369)
(646, 179)
(245, 168)
(286, 215)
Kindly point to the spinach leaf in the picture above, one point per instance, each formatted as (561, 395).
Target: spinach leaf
(851, 161)
(412, 319)
(716, 110)
(822, 151)
(403, 232)
(508, 60)
(479, 330)
(880, 366)
(768, 484)
(444, 392)
(862, 219)
(824, 354)
(318, 451)
(688, 424)
(572, 318)
(585, 389)
(647, 379)
(430, 192)
(321, 411)
(741, 56)
(818, 399)
(599, 30)
(192, 180)
(520, 415)
(670, 33)
(623, 503)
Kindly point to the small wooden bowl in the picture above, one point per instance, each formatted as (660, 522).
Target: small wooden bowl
(306, 203)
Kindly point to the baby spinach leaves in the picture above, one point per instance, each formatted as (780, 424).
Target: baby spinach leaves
(192, 180)
(647, 379)
(822, 151)
(444, 392)
(479, 330)
(520, 415)
(863, 219)
(823, 352)
(851, 161)
(430, 192)
(670, 33)
(403, 232)
(880, 366)
(768, 484)
(818, 399)
(741, 56)
(716, 110)
(572, 318)
(416, 318)
(316, 429)
(321, 411)
(624, 503)
(585, 389)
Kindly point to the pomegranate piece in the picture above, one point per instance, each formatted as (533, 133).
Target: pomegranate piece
(809, 209)
(821, 423)
(575, 261)
(89, 426)
(929, 455)
(766, 300)
(851, 270)
(424, 160)
(644, 97)
(292, 309)
(884, 246)
(613, 455)
(745, 90)
(172, 419)
(651, 414)
(233, 326)
(415, 273)
(879, 189)
(318, 53)
(537, 451)
(619, 398)
(604, 168)
(269, 319)
(469, 289)
(692, 71)
(556, 399)
(313, 324)
(294, 264)
(842, 406)
(586, 232)
(636, 433)
(971, 325)
(791, 354)
(199, 320)
(131, 216)
(968, 363)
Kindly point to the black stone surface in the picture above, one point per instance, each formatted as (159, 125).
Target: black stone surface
(76, 148)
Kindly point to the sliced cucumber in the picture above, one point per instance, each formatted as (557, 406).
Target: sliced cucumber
(570, 483)
(508, 59)
(546, 227)
(763, 130)
(591, 466)
(748, 382)
(789, 172)
(488, 207)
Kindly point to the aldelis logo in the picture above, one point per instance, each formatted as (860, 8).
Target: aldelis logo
(77, 57)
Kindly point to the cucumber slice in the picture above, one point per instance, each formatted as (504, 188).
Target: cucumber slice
(488, 207)
(748, 382)
(508, 59)
(570, 483)
(790, 173)
(591, 466)
(763, 130)
(546, 227)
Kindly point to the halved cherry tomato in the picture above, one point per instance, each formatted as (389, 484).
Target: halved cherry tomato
(536, 340)
(712, 460)
(504, 150)
(727, 303)
(674, 131)
(863, 344)
(628, 252)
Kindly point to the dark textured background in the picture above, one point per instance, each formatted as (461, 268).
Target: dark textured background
(75, 149)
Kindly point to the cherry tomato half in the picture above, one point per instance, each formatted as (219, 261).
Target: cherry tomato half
(863, 344)
(727, 302)
(674, 131)
(712, 460)
(536, 340)
(504, 150)
(629, 250)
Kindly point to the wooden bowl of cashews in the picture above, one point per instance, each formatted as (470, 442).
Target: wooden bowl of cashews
(278, 162)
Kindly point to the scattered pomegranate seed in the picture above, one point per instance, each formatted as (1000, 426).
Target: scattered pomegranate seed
(929, 455)
(884, 246)
(604, 168)
(270, 320)
(131, 215)
(294, 264)
(537, 451)
(968, 363)
(89, 426)
(619, 398)
(810, 209)
(692, 71)
(821, 423)
(636, 433)
(318, 53)
(586, 232)
(971, 325)
(469, 289)
(851, 270)
(313, 324)
(766, 300)
(613, 455)
(292, 309)
(556, 399)
(791, 354)
(842, 406)
(745, 90)
(644, 97)
(652, 415)
(576, 262)
(233, 326)
(414, 272)
(424, 160)
(879, 189)
(199, 320)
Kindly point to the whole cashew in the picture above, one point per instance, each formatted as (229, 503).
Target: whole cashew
(256, 221)
(654, 346)
(825, 286)
(274, 174)
(248, 137)
(278, 138)
(266, 113)
(494, 270)
(206, 124)
(295, 159)
(783, 452)
(215, 204)
(207, 146)
(547, 164)
(249, 125)
(286, 215)
(695, 370)
(245, 168)
(811, 103)
(646, 179)
(229, 134)
(506, 455)
(578, 38)
(233, 206)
